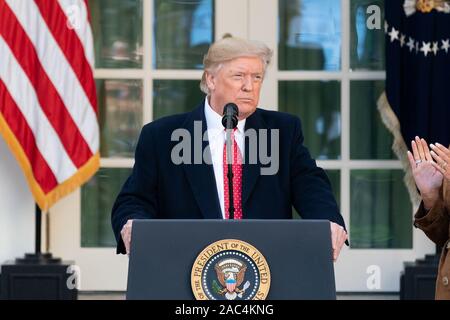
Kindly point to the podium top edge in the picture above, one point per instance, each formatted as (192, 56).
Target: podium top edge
(269, 221)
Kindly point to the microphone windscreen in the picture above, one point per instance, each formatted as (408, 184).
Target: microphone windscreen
(230, 115)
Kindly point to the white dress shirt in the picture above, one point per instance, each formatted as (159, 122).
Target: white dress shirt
(216, 138)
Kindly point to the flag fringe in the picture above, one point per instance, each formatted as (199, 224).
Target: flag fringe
(399, 147)
(45, 201)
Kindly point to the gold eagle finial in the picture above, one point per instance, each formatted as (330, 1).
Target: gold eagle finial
(426, 6)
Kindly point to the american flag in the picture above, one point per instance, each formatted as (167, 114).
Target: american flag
(48, 106)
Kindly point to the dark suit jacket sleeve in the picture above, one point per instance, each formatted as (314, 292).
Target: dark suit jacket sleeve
(311, 191)
(435, 222)
(138, 197)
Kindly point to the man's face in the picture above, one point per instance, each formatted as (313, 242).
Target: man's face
(238, 81)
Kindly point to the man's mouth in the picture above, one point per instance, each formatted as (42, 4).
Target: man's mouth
(245, 99)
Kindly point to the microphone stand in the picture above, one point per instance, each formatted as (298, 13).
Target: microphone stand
(230, 174)
(230, 121)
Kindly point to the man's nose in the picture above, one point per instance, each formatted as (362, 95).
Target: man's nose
(248, 84)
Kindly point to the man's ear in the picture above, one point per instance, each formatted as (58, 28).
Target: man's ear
(210, 81)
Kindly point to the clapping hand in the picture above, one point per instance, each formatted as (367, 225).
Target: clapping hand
(441, 155)
(426, 174)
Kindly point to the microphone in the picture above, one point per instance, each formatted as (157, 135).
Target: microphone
(230, 121)
(230, 116)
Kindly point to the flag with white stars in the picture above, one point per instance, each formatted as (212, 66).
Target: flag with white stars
(418, 71)
(416, 101)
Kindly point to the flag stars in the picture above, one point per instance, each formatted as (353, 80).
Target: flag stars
(425, 48)
(445, 45)
(431, 48)
(435, 48)
(393, 34)
(410, 44)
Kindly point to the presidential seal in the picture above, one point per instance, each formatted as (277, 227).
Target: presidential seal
(230, 270)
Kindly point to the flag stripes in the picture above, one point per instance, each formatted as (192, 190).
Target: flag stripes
(48, 101)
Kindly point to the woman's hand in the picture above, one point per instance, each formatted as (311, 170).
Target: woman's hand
(427, 177)
(442, 157)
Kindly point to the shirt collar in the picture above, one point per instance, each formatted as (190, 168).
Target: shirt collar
(214, 121)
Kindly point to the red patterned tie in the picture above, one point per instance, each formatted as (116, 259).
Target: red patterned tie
(237, 179)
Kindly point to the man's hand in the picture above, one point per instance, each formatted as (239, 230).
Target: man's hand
(338, 237)
(428, 179)
(126, 235)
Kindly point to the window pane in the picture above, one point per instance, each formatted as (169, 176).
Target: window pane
(183, 31)
(367, 35)
(97, 198)
(381, 213)
(175, 96)
(317, 103)
(369, 138)
(117, 29)
(309, 35)
(335, 180)
(120, 117)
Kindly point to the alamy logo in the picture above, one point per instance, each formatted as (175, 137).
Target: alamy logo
(73, 14)
(189, 150)
(74, 278)
(373, 282)
(374, 19)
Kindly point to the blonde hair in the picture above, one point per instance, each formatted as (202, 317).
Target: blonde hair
(229, 48)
